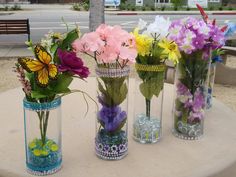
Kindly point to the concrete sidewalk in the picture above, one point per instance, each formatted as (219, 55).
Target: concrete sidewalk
(14, 51)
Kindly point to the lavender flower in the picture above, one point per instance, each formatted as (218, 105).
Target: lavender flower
(21, 77)
(192, 35)
(111, 118)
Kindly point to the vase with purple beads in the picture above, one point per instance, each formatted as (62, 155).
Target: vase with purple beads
(196, 40)
(111, 136)
(113, 50)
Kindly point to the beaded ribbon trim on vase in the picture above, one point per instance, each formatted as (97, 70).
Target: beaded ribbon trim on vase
(112, 71)
(34, 106)
(151, 68)
(111, 151)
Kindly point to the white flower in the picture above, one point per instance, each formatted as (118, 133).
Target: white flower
(159, 28)
(142, 24)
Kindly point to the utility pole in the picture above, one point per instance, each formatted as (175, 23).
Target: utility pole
(96, 14)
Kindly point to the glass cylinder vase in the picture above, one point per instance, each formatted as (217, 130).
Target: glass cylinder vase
(211, 85)
(43, 136)
(148, 103)
(111, 142)
(191, 83)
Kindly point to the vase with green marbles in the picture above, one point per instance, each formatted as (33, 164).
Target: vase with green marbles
(43, 136)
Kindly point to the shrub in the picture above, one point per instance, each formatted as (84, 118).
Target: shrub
(230, 8)
(143, 8)
(6, 8)
(76, 6)
(211, 8)
(153, 8)
(16, 7)
(163, 8)
(86, 7)
(122, 6)
(220, 8)
(133, 8)
(177, 3)
(188, 8)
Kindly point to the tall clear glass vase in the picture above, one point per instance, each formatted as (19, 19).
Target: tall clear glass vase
(43, 136)
(211, 85)
(111, 142)
(148, 103)
(191, 84)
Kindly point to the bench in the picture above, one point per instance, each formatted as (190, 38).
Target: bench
(15, 27)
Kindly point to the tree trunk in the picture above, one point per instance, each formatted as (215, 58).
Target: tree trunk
(96, 14)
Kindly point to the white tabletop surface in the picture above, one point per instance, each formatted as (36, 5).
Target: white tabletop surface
(171, 157)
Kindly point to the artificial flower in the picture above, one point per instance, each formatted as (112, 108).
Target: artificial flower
(193, 34)
(170, 49)
(108, 44)
(159, 28)
(143, 42)
(111, 118)
(72, 64)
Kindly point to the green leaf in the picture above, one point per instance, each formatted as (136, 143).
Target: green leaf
(62, 83)
(145, 89)
(152, 85)
(70, 38)
(37, 94)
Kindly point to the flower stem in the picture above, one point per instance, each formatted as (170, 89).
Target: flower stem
(148, 108)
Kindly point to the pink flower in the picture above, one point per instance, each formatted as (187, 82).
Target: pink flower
(127, 53)
(111, 44)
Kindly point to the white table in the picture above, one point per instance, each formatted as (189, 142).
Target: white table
(171, 157)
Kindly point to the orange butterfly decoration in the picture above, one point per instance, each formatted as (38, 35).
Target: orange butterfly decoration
(42, 66)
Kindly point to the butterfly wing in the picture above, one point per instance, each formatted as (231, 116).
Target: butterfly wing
(52, 70)
(30, 65)
(42, 77)
(42, 55)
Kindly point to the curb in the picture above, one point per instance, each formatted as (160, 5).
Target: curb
(8, 13)
(170, 13)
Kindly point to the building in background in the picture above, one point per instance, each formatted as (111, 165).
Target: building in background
(160, 3)
(39, 1)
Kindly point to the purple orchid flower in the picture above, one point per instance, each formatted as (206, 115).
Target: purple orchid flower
(72, 64)
(111, 117)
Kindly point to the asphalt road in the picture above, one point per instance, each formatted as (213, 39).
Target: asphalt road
(42, 21)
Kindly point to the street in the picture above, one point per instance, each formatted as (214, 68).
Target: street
(42, 21)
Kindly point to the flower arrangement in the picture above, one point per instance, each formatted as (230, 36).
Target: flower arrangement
(154, 48)
(45, 79)
(113, 50)
(196, 39)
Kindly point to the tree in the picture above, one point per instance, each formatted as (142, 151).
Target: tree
(96, 14)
